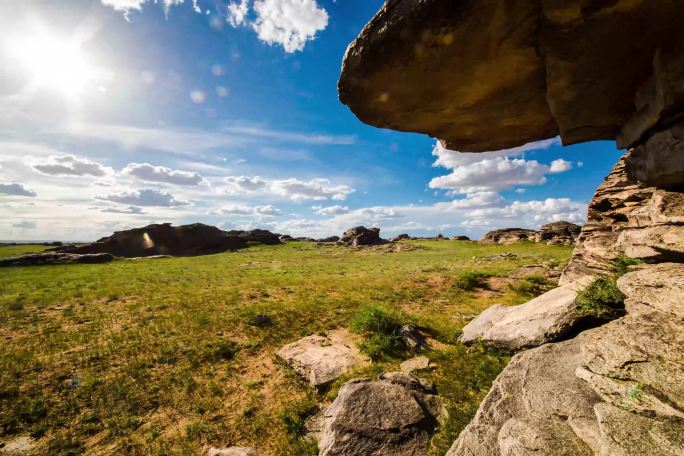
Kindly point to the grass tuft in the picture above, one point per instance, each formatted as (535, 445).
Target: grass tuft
(380, 329)
(470, 280)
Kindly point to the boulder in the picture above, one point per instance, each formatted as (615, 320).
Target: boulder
(414, 364)
(559, 233)
(613, 390)
(46, 258)
(564, 61)
(460, 238)
(361, 235)
(394, 415)
(285, 238)
(330, 239)
(412, 338)
(321, 359)
(546, 318)
(165, 239)
(401, 237)
(507, 236)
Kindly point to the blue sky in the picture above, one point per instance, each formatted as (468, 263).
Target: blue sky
(120, 113)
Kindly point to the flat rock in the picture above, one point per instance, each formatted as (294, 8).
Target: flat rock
(232, 451)
(546, 318)
(394, 415)
(321, 359)
(414, 364)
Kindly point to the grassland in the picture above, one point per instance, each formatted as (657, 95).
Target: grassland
(164, 357)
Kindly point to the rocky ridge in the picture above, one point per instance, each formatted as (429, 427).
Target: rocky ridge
(555, 233)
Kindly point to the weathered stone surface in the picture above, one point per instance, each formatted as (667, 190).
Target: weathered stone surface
(563, 233)
(46, 258)
(570, 66)
(658, 162)
(164, 239)
(361, 235)
(414, 364)
(546, 318)
(320, 359)
(613, 390)
(394, 415)
(412, 338)
(460, 238)
(232, 451)
(401, 237)
(22, 445)
(507, 236)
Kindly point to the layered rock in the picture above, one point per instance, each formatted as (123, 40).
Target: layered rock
(613, 390)
(361, 235)
(572, 67)
(563, 233)
(165, 239)
(546, 318)
(394, 415)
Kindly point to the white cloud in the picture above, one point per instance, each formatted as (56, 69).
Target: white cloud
(474, 200)
(15, 190)
(452, 159)
(290, 23)
(69, 165)
(295, 189)
(331, 210)
(25, 225)
(126, 210)
(237, 12)
(248, 184)
(151, 173)
(379, 213)
(126, 6)
(241, 209)
(537, 212)
(560, 166)
(314, 189)
(144, 197)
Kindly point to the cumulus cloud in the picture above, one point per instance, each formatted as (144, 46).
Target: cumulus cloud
(379, 213)
(539, 211)
(474, 200)
(452, 159)
(12, 189)
(288, 23)
(126, 6)
(240, 209)
(69, 165)
(331, 210)
(560, 166)
(317, 189)
(249, 184)
(25, 225)
(144, 197)
(150, 173)
(237, 12)
(314, 189)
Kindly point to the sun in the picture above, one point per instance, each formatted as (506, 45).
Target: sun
(51, 61)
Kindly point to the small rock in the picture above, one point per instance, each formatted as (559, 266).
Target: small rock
(412, 338)
(416, 363)
(323, 359)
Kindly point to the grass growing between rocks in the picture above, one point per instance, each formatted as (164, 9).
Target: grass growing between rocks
(602, 299)
(168, 356)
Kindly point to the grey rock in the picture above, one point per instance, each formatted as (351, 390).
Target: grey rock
(361, 235)
(546, 318)
(394, 415)
(321, 359)
(412, 338)
(507, 236)
(414, 364)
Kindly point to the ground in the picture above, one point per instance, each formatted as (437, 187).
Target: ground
(165, 357)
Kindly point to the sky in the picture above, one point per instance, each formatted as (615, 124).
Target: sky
(120, 113)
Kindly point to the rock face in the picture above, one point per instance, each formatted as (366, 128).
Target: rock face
(361, 235)
(628, 216)
(613, 390)
(564, 233)
(330, 239)
(321, 359)
(164, 239)
(45, 258)
(546, 318)
(394, 415)
(564, 60)
(509, 236)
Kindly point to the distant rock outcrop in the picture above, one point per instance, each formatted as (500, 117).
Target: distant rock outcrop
(394, 415)
(460, 238)
(165, 239)
(401, 237)
(46, 258)
(361, 235)
(507, 236)
(329, 239)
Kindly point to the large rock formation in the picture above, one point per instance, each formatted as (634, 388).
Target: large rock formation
(507, 236)
(613, 390)
(555, 233)
(394, 415)
(497, 74)
(361, 235)
(546, 318)
(164, 239)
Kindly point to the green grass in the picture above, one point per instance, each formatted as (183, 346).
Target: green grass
(602, 299)
(166, 356)
(380, 330)
(7, 251)
(470, 280)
